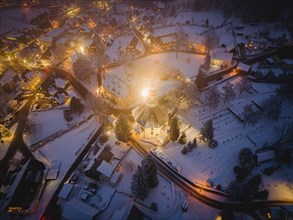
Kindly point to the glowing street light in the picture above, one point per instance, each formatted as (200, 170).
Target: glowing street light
(144, 93)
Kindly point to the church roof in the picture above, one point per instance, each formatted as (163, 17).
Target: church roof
(150, 116)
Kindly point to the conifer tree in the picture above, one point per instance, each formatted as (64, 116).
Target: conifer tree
(182, 139)
(200, 80)
(207, 131)
(174, 128)
(139, 187)
(149, 168)
(122, 129)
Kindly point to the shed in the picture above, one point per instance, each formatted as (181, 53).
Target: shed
(243, 67)
(52, 174)
(265, 156)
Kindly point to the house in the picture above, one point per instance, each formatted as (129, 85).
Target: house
(150, 117)
(24, 188)
(222, 59)
(243, 68)
(116, 89)
(106, 170)
(29, 80)
(103, 157)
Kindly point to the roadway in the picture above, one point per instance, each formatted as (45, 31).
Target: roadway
(198, 191)
(17, 142)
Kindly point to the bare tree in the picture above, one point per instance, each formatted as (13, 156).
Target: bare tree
(188, 92)
(83, 68)
(284, 132)
(229, 93)
(211, 39)
(212, 97)
(285, 93)
(250, 115)
(271, 108)
(244, 85)
(98, 106)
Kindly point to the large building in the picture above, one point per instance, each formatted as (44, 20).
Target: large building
(29, 81)
(21, 194)
(150, 117)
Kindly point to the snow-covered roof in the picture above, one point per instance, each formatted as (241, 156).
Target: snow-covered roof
(55, 32)
(66, 189)
(7, 77)
(117, 86)
(74, 57)
(52, 174)
(60, 83)
(106, 169)
(52, 90)
(243, 67)
(265, 156)
(45, 38)
(150, 116)
(230, 47)
(62, 40)
(75, 210)
(222, 56)
(115, 177)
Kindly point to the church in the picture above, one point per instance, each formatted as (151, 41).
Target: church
(150, 118)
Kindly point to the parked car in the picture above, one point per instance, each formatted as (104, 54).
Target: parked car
(184, 206)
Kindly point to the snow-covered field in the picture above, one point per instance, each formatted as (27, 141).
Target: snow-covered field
(217, 164)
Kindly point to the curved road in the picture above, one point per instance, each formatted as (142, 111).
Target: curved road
(192, 189)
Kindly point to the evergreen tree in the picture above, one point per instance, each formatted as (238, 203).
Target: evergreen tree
(207, 62)
(194, 143)
(200, 80)
(233, 190)
(139, 187)
(149, 168)
(122, 129)
(174, 128)
(207, 131)
(182, 139)
(250, 188)
(245, 155)
(76, 105)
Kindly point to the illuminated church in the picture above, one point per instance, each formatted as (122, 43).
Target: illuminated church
(150, 118)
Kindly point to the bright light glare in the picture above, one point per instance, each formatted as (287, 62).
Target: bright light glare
(81, 49)
(144, 92)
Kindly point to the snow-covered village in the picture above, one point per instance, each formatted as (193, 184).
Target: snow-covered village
(158, 109)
